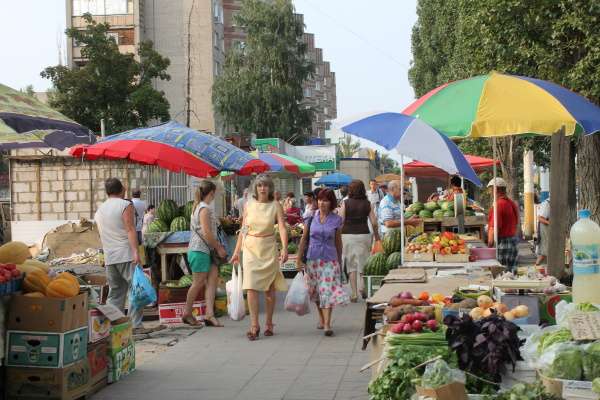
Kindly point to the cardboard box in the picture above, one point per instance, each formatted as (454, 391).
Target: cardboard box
(67, 383)
(97, 284)
(98, 325)
(45, 314)
(121, 363)
(45, 349)
(121, 336)
(171, 313)
(452, 391)
(97, 356)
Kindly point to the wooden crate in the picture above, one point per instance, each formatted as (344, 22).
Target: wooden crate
(452, 258)
(409, 257)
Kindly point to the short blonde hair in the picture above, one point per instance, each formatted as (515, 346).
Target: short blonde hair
(263, 179)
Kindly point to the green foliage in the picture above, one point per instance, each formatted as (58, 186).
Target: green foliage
(260, 90)
(347, 147)
(111, 85)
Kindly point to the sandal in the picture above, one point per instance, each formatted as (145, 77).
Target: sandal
(269, 330)
(320, 327)
(328, 332)
(212, 322)
(253, 333)
(190, 320)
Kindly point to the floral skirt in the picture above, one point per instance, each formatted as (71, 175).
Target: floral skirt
(324, 283)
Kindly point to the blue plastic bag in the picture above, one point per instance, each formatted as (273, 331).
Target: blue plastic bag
(141, 293)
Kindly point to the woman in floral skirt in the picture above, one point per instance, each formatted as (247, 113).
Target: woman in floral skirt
(323, 238)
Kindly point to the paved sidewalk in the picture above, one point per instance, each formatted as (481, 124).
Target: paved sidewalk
(298, 363)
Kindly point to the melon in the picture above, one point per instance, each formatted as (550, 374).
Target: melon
(417, 206)
(425, 214)
(408, 214)
(392, 241)
(444, 205)
(376, 264)
(438, 213)
(431, 206)
(180, 224)
(167, 211)
(394, 260)
(188, 209)
(449, 213)
(14, 253)
(158, 226)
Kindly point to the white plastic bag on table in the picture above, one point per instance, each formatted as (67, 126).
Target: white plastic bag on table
(235, 295)
(297, 299)
(564, 310)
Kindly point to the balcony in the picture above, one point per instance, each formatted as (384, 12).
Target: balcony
(121, 20)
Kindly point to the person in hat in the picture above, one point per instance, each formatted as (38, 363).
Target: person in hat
(508, 219)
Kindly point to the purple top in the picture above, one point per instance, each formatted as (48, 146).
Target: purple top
(322, 238)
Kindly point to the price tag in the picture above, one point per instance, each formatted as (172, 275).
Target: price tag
(585, 326)
(578, 390)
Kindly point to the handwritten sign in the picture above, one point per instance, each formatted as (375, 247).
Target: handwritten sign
(585, 326)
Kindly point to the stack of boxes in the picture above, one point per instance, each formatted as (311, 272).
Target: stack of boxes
(97, 354)
(46, 353)
(171, 303)
(121, 351)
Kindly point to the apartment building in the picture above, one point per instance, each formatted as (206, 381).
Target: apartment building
(319, 90)
(188, 32)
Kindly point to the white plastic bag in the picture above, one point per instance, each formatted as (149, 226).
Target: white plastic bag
(235, 295)
(297, 299)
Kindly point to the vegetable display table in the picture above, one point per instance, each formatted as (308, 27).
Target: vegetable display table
(444, 285)
(169, 248)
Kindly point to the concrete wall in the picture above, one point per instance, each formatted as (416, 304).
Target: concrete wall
(359, 168)
(63, 188)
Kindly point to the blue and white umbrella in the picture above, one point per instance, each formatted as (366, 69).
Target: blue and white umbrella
(411, 137)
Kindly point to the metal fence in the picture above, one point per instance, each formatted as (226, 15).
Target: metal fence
(162, 184)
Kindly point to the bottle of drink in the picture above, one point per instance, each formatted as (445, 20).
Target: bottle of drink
(585, 243)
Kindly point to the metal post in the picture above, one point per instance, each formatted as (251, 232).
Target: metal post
(528, 227)
(102, 128)
(494, 203)
(402, 217)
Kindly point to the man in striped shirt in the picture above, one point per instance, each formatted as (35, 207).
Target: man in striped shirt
(391, 210)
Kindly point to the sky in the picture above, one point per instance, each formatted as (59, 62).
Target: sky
(367, 43)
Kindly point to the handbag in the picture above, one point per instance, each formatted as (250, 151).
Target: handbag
(214, 256)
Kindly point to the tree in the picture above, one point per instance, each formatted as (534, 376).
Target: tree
(28, 90)
(348, 147)
(260, 90)
(111, 86)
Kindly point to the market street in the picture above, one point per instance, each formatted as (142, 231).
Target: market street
(219, 363)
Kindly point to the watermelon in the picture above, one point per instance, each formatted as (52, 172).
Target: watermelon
(417, 206)
(444, 205)
(167, 211)
(408, 214)
(392, 241)
(185, 281)
(449, 213)
(292, 248)
(431, 206)
(158, 226)
(425, 214)
(375, 264)
(187, 210)
(225, 271)
(180, 224)
(469, 213)
(438, 213)
(394, 260)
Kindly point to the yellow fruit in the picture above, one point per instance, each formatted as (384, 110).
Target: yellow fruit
(14, 253)
(35, 294)
(484, 301)
(487, 312)
(520, 311)
(36, 281)
(61, 288)
(69, 277)
(509, 316)
(27, 268)
(38, 264)
(476, 313)
(500, 308)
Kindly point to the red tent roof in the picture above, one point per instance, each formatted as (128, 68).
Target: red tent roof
(420, 169)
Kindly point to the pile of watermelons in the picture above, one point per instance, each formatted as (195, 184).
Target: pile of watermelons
(381, 263)
(172, 218)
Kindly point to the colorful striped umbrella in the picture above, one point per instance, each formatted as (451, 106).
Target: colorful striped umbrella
(421, 169)
(496, 105)
(26, 122)
(177, 148)
(284, 164)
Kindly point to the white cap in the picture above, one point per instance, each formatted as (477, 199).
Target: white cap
(498, 181)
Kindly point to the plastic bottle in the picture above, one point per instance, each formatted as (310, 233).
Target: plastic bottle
(585, 243)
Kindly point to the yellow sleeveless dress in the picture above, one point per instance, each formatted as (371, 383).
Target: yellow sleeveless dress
(259, 251)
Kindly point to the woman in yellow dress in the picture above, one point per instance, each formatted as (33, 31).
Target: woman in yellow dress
(256, 241)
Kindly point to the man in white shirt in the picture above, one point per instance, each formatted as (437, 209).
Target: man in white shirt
(375, 195)
(543, 231)
(140, 209)
(309, 200)
(241, 203)
(116, 224)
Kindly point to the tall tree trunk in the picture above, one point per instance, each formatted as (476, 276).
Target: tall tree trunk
(508, 164)
(561, 180)
(588, 174)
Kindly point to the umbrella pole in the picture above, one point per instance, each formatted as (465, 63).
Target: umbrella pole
(402, 217)
(495, 205)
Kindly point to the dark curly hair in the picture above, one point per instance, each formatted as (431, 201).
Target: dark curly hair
(328, 195)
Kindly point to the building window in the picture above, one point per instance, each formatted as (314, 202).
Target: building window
(101, 7)
(326, 111)
(325, 96)
(218, 11)
(307, 92)
(114, 36)
(325, 81)
(317, 85)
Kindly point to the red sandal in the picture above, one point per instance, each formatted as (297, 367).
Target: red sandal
(269, 330)
(253, 333)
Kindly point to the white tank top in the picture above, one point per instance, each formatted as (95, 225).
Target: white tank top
(113, 235)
